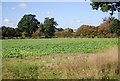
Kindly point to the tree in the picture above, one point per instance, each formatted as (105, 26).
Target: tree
(18, 33)
(87, 31)
(64, 33)
(115, 27)
(48, 28)
(28, 24)
(8, 31)
(60, 34)
(106, 6)
(60, 29)
(68, 30)
(39, 31)
(104, 28)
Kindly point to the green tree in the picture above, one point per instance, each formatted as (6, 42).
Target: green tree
(60, 29)
(68, 30)
(48, 28)
(115, 27)
(106, 6)
(8, 31)
(18, 33)
(39, 31)
(28, 24)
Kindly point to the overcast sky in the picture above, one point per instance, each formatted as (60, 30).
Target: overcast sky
(67, 14)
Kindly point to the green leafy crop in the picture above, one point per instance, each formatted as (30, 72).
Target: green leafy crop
(20, 48)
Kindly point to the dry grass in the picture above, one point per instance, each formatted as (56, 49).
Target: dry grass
(100, 65)
(68, 66)
(109, 56)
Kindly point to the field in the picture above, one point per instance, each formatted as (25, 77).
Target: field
(29, 47)
(60, 58)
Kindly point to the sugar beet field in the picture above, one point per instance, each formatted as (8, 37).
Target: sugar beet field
(60, 58)
(29, 47)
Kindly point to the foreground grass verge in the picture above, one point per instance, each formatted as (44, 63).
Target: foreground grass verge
(68, 66)
(29, 47)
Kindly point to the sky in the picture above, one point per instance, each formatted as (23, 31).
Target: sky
(67, 14)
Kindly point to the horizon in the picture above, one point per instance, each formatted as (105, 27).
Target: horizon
(67, 14)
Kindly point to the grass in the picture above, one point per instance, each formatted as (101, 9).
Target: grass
(72, 66)
(29, 47)
(21, 70)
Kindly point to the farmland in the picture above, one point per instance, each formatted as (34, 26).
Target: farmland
(29, 47)
(63, 58)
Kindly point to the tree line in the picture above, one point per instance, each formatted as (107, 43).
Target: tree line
(30, 27)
